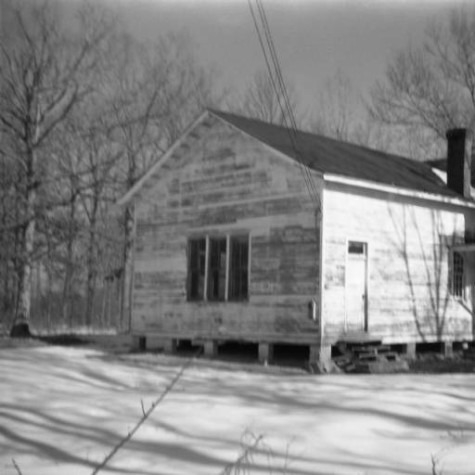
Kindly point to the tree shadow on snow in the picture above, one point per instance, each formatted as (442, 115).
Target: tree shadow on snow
(23, 420)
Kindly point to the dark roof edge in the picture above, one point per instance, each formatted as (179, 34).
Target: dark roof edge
(220, 114)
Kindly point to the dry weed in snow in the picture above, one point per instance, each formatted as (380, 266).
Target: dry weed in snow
(63, 409)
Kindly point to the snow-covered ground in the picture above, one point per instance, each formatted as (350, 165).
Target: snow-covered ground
(63, 409)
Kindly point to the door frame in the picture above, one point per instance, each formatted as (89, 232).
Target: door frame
(366, 241)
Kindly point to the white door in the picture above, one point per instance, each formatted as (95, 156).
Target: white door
(356, 286)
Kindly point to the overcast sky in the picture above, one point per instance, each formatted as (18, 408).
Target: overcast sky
(314, 38)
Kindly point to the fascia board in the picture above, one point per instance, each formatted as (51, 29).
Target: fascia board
(338, 179)
(160, 162)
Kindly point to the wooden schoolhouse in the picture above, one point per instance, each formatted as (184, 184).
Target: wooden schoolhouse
(247, 231)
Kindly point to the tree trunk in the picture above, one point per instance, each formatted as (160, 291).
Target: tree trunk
(21, 324)
(6, 287)
(6, 255)
(105, 288)
(66, 297)
(16, 261)
(69, 267)
(49, 299)
(91, 264)
(126, 291)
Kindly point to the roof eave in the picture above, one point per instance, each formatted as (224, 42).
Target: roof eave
(339, 179)
(159, 163)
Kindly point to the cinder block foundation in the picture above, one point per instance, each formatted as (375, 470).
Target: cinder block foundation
(154, 343)
(409, 350)
(447, 349)
(169, 345)
(210, 348)
(320, 355)
(266, 352)
(138, 342)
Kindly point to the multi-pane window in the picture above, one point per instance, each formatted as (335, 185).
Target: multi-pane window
(238, 272)
(196, 268)
(457, 275)
(218, 268)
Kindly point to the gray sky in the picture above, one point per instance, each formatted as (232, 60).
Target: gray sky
(314, 38)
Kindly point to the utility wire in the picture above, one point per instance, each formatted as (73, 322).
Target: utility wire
(283, 89)
(269, 68)
(278, 83)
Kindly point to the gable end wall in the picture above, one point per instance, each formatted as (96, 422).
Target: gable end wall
(220, 182)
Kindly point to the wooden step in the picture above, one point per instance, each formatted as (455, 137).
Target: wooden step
(342, 359)
(376, 349)
(368, 356)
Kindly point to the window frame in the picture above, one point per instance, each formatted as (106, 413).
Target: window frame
(457, 275)
(191, 270)
(209, 271)
(216, 270)
(357, 248)
(241, 268)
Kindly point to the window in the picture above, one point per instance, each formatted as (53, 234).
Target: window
(218, 268)
(238, 272)
(457, 275)
(196, 268)
(356, 247)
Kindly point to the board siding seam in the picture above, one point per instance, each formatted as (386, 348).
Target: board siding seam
(228, 259)
(205, 284)
(259, 199)
(249, 266)
(345, 303)
(322, 263)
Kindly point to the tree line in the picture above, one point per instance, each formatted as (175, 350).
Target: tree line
(85, 108)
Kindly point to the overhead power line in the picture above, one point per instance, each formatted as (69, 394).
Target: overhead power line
(274, 69)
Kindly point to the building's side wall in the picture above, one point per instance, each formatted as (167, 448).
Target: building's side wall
(409, 297)
(219, 182)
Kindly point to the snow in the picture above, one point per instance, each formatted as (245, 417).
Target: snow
(63, 409)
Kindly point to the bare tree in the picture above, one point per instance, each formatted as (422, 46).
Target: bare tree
(8, 231)
(336, 108)
(43, 76)
(340, 113)
(71, 170)
(158, 89)
(432, 88)
(260, 100)
(86, 113)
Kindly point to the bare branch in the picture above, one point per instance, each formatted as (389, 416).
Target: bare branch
(146, 414)
(431, 88)
(16, 467)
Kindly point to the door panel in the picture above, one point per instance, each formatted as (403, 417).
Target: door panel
(356, 286)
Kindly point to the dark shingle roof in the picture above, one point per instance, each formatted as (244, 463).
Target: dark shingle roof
(342, 158)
